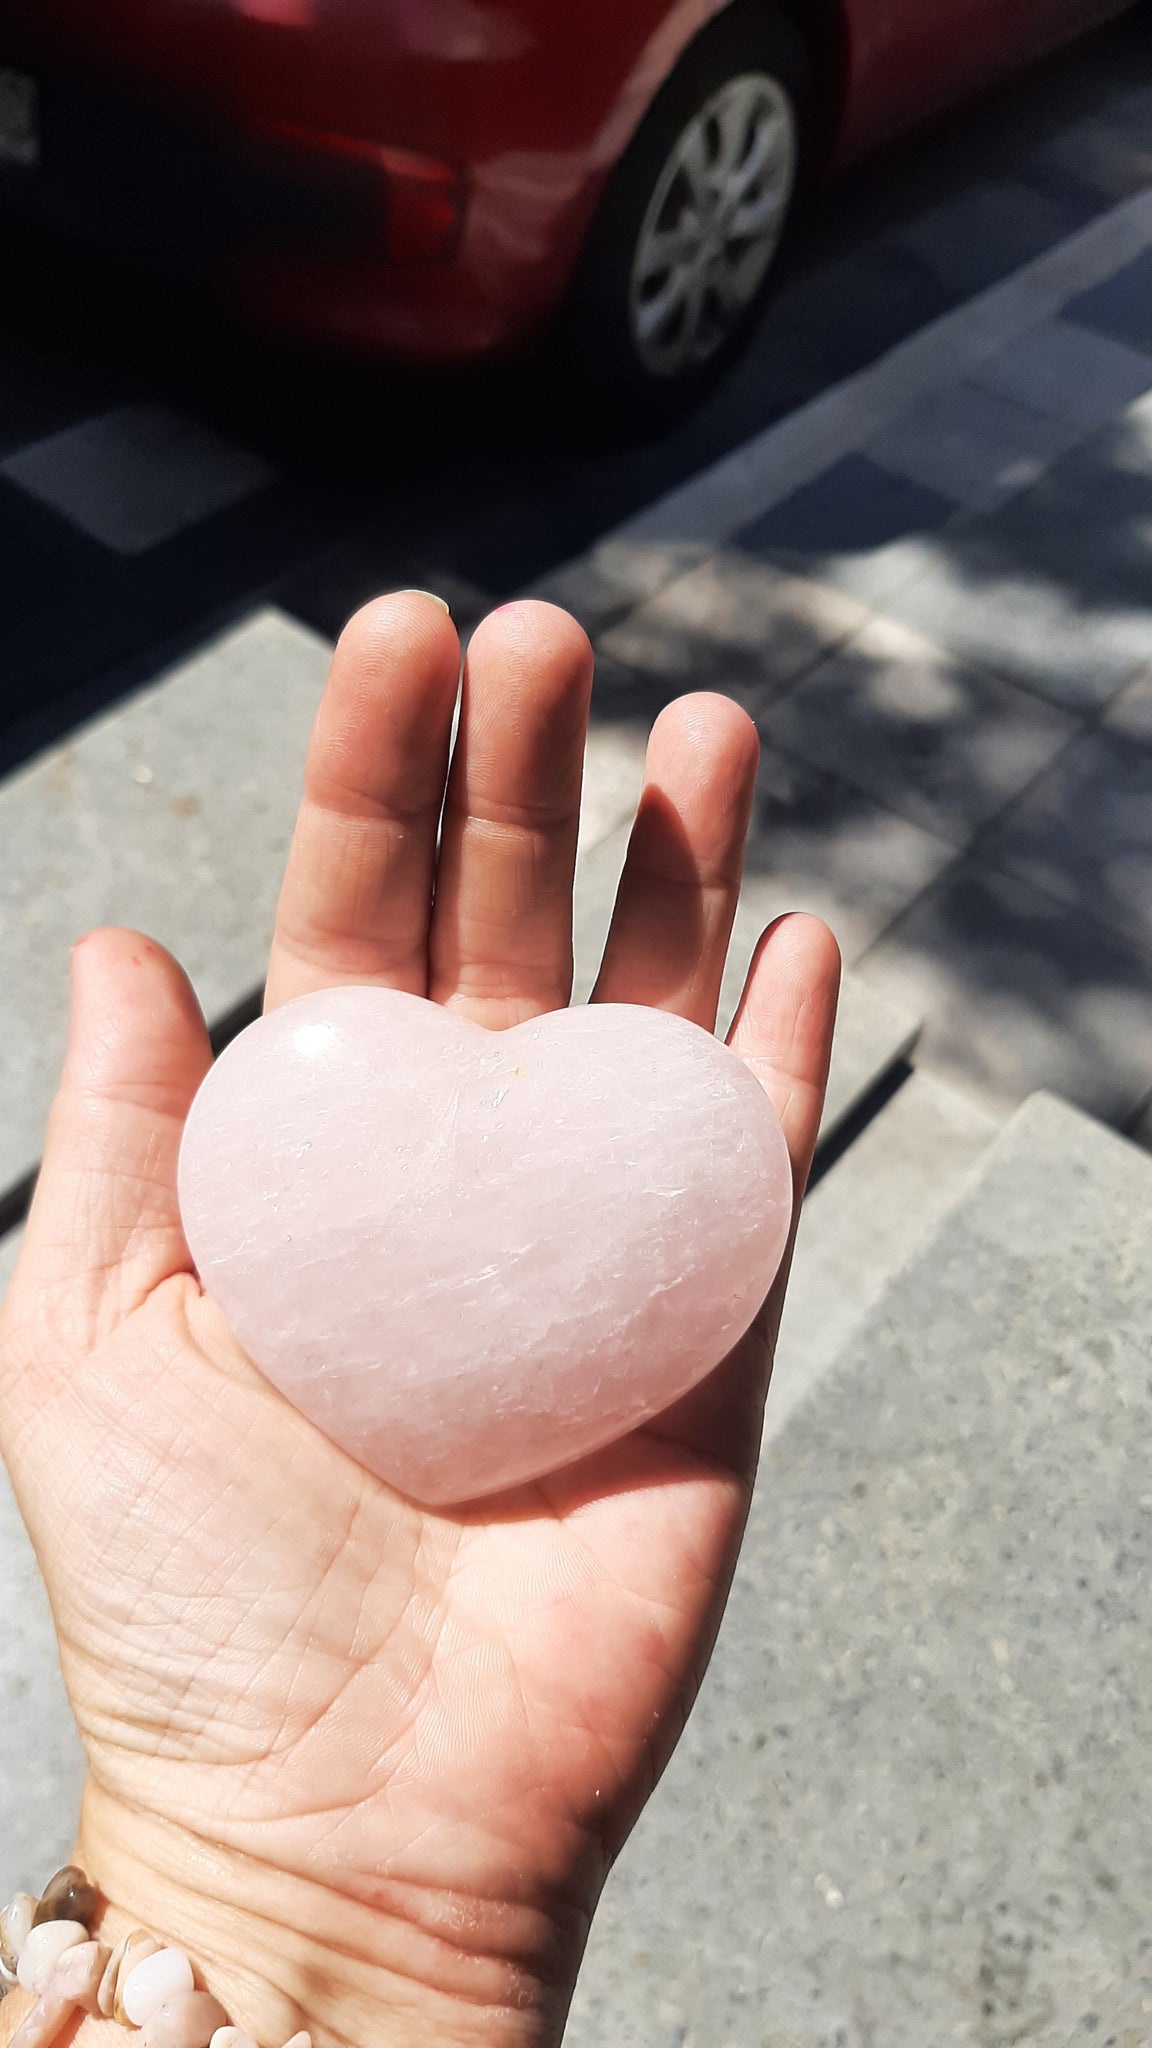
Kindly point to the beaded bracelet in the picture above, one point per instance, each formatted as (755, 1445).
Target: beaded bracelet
(46, 1948)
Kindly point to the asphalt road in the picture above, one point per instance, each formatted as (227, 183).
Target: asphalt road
(361, 476)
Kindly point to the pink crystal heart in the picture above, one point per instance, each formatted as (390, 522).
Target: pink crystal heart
(471, 1257)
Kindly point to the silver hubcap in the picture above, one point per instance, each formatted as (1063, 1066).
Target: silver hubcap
(713, 224)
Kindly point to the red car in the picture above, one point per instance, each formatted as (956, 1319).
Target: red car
(444, 179)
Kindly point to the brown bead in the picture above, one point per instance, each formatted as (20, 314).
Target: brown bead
(187, 2021)
(67, 1896)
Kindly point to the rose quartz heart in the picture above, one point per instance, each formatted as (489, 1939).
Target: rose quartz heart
(472, 1256)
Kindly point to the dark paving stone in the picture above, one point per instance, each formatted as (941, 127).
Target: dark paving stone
(1130, 714)
(942, 744)
(1086, 525)
(76, 645)
(1120, 307)
(736, 623)
(33, 404)
(991, 599)
(817, 843)
(1019, 992)
(46, 562)
(1093, 160)
(988, 231)
(1067, 371)
(806, 341)
(326, 591)
(1084, 832)
(852, 526)
(974, 445)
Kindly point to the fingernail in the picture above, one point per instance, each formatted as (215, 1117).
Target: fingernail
(441, 601)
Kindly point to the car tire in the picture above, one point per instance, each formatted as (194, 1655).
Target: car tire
(682, 250)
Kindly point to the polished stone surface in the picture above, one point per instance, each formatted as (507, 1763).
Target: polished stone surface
(472, 1257)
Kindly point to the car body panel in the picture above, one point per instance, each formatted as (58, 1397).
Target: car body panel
(907, 60)
(532, 102)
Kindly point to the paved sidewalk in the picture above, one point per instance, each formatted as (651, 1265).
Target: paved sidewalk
(933, 591)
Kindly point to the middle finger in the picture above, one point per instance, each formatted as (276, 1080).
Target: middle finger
(501, 942)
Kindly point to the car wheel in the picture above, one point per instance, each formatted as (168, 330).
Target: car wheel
(681, 253)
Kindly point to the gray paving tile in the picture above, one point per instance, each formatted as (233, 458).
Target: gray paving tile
(820, 844)
(1124, 444)
(613, 777)
(974, 445)
(981, 598)
(858, 526)
(1084, 832)
(1131, 113)
(137, 476)
(1087, 525)
(1093, 158)
(1018, 992)
(1066, 370)
(992, 227)
(1130, 714)
(1121, 307)
(615, 573)
(737, 624)
(945, 745)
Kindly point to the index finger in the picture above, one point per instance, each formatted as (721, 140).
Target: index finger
(357, 897)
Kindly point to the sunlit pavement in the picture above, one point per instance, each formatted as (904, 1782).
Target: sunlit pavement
(158, 472)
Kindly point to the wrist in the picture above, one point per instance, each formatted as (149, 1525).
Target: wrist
(285, 1953)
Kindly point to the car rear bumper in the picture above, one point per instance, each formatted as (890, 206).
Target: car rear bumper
(318, 234)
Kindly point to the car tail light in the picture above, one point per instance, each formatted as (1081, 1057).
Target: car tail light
(422, 196)
(284, 13)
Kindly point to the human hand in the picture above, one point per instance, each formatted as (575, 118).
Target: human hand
(370, 1765)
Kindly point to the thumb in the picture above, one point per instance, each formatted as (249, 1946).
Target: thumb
(104, 1226)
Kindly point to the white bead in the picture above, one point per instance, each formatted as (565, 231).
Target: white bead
(301, 2040)
(231, 2037)
(15, 1926)
(43, 1949)
(154, 1981)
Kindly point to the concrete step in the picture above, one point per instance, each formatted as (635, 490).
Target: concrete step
(173, 813)
(913, 1802)
(865, 1219)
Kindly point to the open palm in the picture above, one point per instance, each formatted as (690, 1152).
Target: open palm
(371, 1764)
